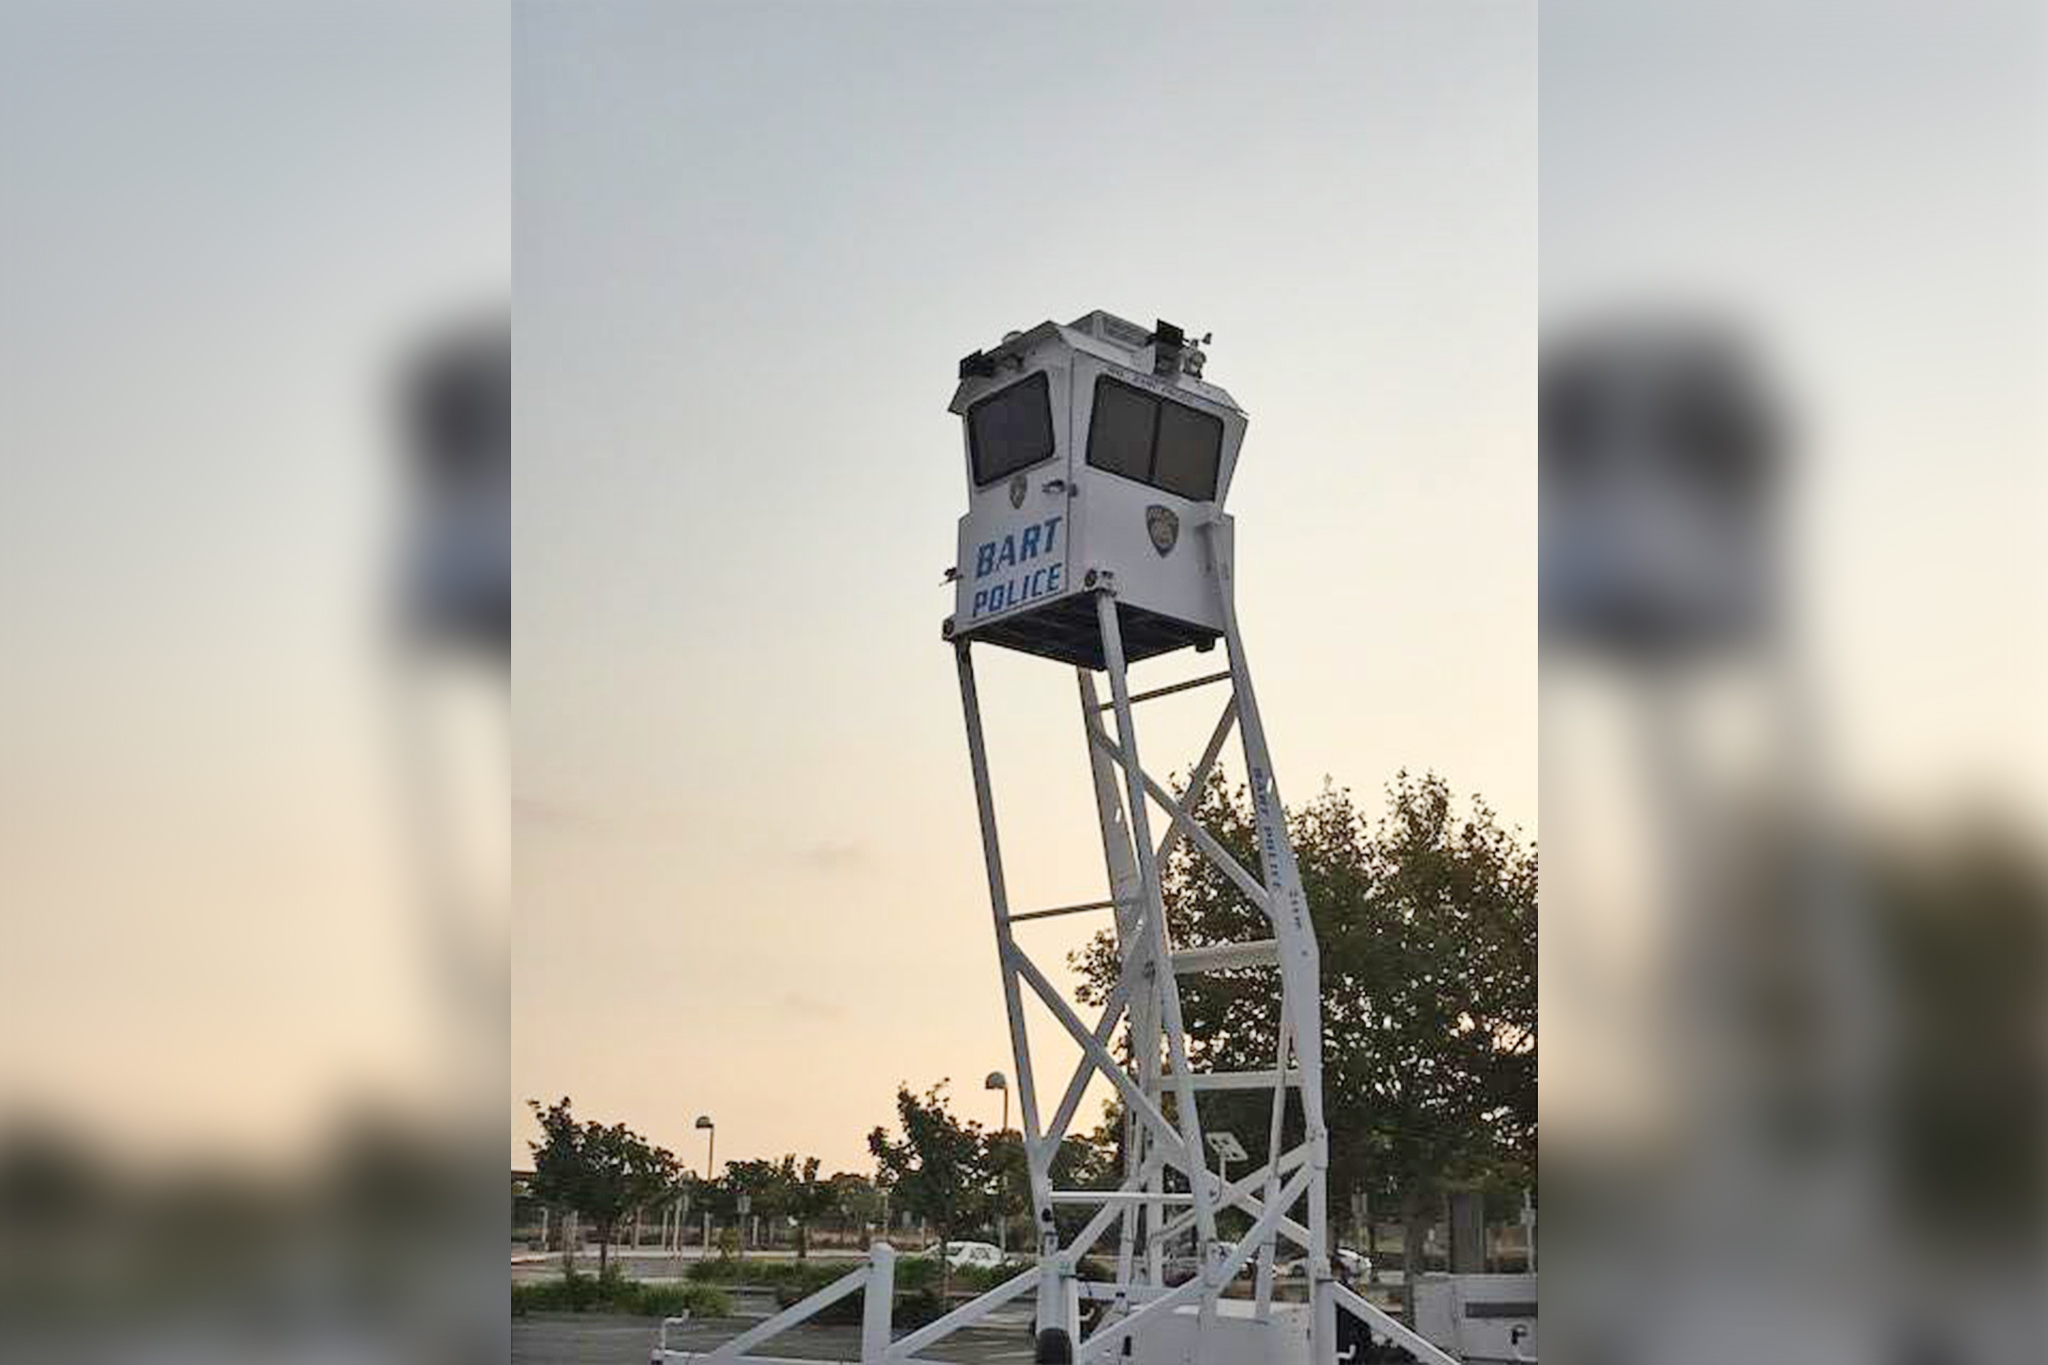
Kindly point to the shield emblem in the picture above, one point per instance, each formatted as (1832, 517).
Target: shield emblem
(1019, 486)
(1163, 526)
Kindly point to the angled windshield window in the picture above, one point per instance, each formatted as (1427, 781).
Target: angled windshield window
(1190, 449)
(1155, 440)
(1009, 430)
(1120, 434)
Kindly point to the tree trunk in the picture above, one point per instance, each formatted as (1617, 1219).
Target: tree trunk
(604, 1246)
(1412, 1229)
(803, 1241)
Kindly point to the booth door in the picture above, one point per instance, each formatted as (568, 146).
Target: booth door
(1013, 540)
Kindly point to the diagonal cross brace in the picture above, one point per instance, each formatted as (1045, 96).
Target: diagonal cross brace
(1178, 812)
(792, 1315)
(1112, 1011)
(1238, 1193)
(1204, 1287)
(1105, 1061)
(972, 1311)
(1423, 1348)
(1199, 778)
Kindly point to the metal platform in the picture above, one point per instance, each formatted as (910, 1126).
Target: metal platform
(1067, 632)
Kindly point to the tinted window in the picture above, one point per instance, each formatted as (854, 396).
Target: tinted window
(1190, 449)
(1010, 429)
(1155, 440)
(1120, 434)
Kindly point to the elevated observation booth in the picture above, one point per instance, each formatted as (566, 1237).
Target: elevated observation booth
(1098, 459)
(1092, 450)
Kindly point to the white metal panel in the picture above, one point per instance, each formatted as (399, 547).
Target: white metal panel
(1481, 1319)
(1114, 516)
(1014, 540)
(1236, 1334)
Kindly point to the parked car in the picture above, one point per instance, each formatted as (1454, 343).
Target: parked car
(979, 1255)
(1184, 1267)
(1350, 1265)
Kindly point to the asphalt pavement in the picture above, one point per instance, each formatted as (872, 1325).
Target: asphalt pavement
(603, 1339)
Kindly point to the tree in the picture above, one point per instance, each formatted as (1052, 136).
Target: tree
(1426, 924)
(858, 1203)
(806, 1199)
(1009, 1194)
(763, 1185)
(936, 1169)
(602, 1173)
(1084, 1161)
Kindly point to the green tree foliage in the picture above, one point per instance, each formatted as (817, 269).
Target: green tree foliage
(937, 1169)
(602, 1173)
(1009, 1196)
(1426, 922)
(1085, 1161)
(806, 1199)
(762, 1186)
(857, 1201)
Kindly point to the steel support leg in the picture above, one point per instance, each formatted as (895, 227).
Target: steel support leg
(1052, 1299)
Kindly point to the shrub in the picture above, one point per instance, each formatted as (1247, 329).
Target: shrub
(800, 1282)
(676, 1300)
(613, 1292)
(844, 1312)
(768, 1274)
(917, 1308)
(917, 1273)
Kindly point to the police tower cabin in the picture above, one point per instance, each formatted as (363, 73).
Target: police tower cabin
(1095, 454)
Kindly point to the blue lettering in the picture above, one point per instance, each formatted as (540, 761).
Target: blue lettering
(1018, 589)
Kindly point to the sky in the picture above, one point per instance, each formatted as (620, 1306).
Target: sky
(751, 244)
(203, 311)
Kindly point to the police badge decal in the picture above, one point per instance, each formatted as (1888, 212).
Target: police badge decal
(1018, 487)
(1163, 526)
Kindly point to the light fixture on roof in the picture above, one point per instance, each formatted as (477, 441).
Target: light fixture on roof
(1168, 341)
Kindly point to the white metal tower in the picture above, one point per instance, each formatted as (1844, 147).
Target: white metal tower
(1108, 428)
(1098, 460)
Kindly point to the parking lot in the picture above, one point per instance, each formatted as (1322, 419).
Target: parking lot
(601, 1339)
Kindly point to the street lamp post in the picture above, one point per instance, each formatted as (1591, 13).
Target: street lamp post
(710, 1172)
(998, 1081)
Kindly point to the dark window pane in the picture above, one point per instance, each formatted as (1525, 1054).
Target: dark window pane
(1120, 434)
(1190, 451)
(1010, 429)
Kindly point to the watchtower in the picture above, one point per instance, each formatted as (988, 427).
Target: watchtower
(1098, 459)
(1092, 451)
